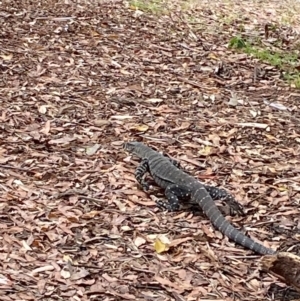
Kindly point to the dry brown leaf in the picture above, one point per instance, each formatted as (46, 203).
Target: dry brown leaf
(101, 122)
(76, 77)
(82, 273)
(139, 241)
(93, 149)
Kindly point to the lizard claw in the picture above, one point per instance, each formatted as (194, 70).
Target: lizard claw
(145, 186)
(236, 207)
(165, 205)
(162, 205)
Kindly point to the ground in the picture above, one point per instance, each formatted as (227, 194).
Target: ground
(212, 84)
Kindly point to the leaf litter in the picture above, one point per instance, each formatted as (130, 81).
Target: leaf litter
(78, 80)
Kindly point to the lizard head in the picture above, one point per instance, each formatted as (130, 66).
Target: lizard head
(136, 148)
(131, 146)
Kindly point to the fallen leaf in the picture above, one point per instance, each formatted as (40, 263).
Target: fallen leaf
(43, 109)
(254, 125)
(101, 122)
(6, 57)
(154, 100)
(79, 275)
(276, 105)
(65, 274)
(121, 117)
(205, 151)
(26, 246)
(139, 241)
(41, 270)
(161, 244)
(46, 128)
(142, 128)
(93, 149)
(63, 140)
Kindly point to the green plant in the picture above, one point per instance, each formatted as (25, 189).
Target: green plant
(237, 43)
(153, 6)
(292, 79)
(285, 61)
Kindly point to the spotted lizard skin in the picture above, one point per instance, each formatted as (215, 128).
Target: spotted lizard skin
(180, 185)
(219, 194)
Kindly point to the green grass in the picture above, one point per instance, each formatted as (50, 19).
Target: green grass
(285, 61)
(273, 58)
(293, 79)
(151, 6)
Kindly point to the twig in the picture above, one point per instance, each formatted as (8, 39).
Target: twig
(74, 192)
(14, 167)
(86, 266)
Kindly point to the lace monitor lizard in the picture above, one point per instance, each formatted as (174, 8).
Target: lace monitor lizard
(180, 185)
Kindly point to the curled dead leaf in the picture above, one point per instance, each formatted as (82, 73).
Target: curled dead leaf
(161, 244)
(92, 150)
(67, 258)
(253, 113)
(42, 109)
(126, 228)
(139, 241)
(6, 57)
(205, 151)
(65, 274)
(46, 128)
(283, 188)
(26, 246)
(4, 280)
(142, 128)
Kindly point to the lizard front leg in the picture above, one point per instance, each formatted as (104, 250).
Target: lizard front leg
(140, 173)
(173, 193)
(175, 163)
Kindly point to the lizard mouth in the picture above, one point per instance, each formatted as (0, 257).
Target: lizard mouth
(128, 146)
(125, 146)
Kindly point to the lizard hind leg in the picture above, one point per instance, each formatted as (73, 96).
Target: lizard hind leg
(222, 195)
(140, 173)
(173, 193)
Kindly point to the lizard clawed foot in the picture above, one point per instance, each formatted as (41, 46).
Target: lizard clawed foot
(145, 186)
(236, 207)
(165, 205)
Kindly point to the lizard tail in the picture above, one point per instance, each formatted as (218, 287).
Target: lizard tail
(219, 221)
